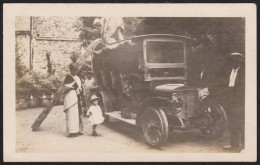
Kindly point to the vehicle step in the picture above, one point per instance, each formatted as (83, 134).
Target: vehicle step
(117, 115)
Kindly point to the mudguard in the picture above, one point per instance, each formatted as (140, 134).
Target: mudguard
(211, 101)
(151, 102)
(107, 101)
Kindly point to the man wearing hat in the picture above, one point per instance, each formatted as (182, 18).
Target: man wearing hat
(235, 101)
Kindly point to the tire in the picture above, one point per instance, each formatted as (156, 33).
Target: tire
(214, 121)
(155, 127)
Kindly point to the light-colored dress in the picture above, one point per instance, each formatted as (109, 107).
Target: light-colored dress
(96, 117)
(71, 110)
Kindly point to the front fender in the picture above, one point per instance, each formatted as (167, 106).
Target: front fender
(151, 102)
(107, 101)
(213, 102)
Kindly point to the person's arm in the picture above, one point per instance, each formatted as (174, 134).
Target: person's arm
(89, 112)
(69, 83)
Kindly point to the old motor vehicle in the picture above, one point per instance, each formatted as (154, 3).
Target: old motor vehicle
(147, 81)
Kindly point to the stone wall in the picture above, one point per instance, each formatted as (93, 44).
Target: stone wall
(58, 35)
(58, 27)
(60, 52)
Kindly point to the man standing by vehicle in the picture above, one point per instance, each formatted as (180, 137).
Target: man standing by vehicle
(235, 101)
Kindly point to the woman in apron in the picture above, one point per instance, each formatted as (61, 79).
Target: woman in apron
(71, 101)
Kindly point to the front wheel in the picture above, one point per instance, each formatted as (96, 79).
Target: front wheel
(155, 127)
(213, 121)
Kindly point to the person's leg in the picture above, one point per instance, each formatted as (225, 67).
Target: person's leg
(243, 134)
(94, 130)
(234, 132)
(233, 126)
(241, 128)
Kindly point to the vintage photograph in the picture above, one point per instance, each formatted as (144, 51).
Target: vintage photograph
(130, 84)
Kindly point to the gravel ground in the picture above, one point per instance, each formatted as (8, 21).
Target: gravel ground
(116, 137)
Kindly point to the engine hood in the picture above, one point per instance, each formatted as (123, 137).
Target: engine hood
(167, 87)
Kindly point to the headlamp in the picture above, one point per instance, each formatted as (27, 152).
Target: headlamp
(176, 100)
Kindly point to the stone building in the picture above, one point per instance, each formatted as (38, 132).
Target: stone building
(35, 36)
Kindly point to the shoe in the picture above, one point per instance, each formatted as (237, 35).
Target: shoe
(95, 134)
(79, 133)
(71, 135)
(243, 151)
(229, 147)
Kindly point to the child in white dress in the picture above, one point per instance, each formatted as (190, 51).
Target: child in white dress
(95, 114)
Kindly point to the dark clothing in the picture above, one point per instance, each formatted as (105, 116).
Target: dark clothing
(69, 79)
(234, 104)
(80, 103)
(203, 79)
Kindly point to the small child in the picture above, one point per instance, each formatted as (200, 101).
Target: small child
(95, 114)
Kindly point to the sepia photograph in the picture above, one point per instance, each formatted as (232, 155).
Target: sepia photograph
(101, 83)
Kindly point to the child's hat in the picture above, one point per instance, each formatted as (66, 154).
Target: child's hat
(93, 97)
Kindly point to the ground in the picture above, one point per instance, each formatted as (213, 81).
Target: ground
(115, 136)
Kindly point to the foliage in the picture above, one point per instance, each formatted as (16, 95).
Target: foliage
(36, 84)
(29, 82)
(224, 34)
(19, 66)
(131, 25)
(215, 38)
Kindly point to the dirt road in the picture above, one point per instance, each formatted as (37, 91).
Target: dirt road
(116, 137)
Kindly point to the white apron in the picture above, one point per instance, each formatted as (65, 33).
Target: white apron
(72, 112)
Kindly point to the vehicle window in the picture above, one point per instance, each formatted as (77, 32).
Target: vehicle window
(166, 72)
(165, 52)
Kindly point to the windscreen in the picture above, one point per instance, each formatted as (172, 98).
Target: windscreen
(165, 52)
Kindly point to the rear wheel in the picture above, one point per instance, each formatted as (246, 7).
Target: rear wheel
(155, 127)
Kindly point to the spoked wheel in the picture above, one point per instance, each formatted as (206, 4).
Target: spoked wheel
(155, 127)
(213, 121)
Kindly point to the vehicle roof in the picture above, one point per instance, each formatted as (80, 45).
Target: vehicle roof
(154, 36)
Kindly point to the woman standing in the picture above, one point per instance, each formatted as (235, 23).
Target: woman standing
(71, 101)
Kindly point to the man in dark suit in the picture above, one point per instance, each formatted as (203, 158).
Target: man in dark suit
(235, 101)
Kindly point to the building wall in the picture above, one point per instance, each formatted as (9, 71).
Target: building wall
(22, 25)
(60, 52)
(23, 49)
(58, 35)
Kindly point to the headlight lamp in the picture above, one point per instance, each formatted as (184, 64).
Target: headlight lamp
(176, 100)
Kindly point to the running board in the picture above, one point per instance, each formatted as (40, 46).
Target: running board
(117, 115)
